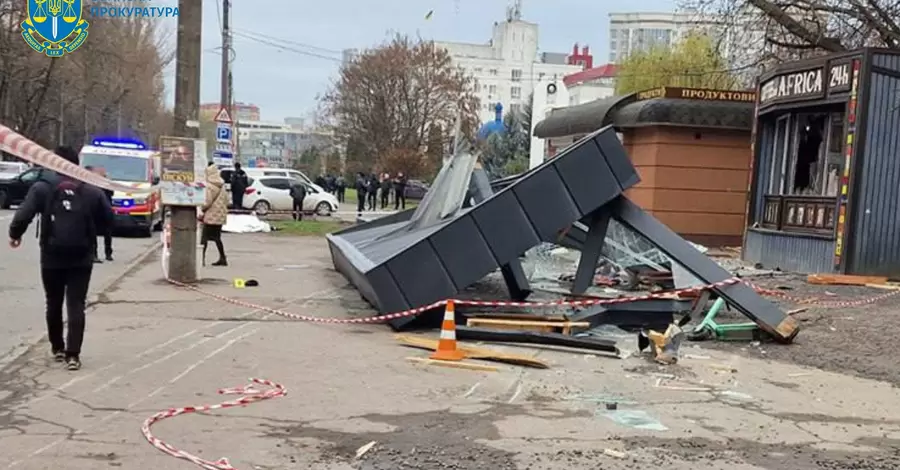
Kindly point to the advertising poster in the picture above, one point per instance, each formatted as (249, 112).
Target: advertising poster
(181, 172)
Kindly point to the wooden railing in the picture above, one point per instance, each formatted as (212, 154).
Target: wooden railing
(805, 214)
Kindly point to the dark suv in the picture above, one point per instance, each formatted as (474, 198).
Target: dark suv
(13, 191)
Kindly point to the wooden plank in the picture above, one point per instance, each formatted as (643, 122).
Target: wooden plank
(845, 280)
(499, 322)
(473, 352)
(454, 365)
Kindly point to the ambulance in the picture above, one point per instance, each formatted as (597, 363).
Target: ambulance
(130, 163)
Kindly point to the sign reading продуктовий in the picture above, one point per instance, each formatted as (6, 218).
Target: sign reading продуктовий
(806, 84)
(57, 27)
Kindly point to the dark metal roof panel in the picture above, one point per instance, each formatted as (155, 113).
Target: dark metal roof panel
(690, 113)
(580, 119)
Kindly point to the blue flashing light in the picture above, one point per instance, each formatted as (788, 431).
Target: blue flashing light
(131, 144)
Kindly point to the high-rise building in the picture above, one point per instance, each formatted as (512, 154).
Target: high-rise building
(507, 68)
(735, 37)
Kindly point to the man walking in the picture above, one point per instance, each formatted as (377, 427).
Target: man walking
(239, 183)
(298, 193)
(400, 192)
(106, 231)
(70, 213)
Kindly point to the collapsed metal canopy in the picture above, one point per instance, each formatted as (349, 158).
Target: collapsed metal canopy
(405, 263)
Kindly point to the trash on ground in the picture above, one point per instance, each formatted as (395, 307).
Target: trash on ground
(637, 419)
(664, 346)
(364, 449)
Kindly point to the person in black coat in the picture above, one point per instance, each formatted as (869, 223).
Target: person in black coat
(66, 254)
(372, 190)
(400, 192)
(298, 194)
(239, 183)
(362, 191)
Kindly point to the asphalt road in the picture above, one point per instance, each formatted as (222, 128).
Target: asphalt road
(22, 310)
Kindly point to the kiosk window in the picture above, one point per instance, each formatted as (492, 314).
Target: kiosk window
(805, 174)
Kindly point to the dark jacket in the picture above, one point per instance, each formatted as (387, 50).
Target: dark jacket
(239, 181)
(400, 184)
(361, 185)
(36, 203)
(298, 192)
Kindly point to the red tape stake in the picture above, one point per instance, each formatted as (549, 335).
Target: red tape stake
(251, 395)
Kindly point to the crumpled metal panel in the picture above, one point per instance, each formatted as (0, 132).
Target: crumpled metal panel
(401, 265)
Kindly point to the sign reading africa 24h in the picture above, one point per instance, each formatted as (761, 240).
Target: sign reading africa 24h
(55, 27)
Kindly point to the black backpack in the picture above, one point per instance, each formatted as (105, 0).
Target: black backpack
(68, 225)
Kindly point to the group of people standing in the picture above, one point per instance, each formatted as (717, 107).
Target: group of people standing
(370, 189)
(336, 185)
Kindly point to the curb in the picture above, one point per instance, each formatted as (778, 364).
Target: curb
(92, 299)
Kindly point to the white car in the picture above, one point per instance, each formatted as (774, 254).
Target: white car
(284, 173)
(272, 193)
(9, 170)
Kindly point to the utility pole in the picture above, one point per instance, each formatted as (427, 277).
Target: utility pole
(183, 259)
(226, 55)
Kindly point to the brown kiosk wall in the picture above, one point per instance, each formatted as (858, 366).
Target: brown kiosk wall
(691, 148)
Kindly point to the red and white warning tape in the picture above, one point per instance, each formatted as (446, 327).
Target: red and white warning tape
(251, 395)
(16, 144)
(824, 303)
(481, 303)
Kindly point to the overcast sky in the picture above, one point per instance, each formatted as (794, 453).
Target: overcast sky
(286, 82)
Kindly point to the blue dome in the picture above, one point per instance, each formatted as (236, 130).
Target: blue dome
(495, 126)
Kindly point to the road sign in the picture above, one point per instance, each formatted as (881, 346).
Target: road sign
(223, 158)
(223, 132)
(223, 116)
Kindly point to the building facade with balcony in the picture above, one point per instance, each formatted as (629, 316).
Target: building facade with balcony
(507, 69)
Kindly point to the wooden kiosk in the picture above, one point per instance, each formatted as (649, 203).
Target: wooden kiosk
(825, 185)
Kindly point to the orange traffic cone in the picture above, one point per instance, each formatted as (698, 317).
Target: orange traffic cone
(446, 350)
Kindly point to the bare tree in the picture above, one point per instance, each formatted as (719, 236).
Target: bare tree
(387, 100)
(113, 82)
(777, 30)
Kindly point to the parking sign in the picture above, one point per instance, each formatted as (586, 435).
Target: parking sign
(223, 132)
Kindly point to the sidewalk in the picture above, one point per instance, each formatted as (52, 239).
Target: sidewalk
(151, 346)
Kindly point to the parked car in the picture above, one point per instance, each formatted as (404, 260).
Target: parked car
(284, 173)
(272, 193)
(9, 170)
(415, 189)
(13, 191)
